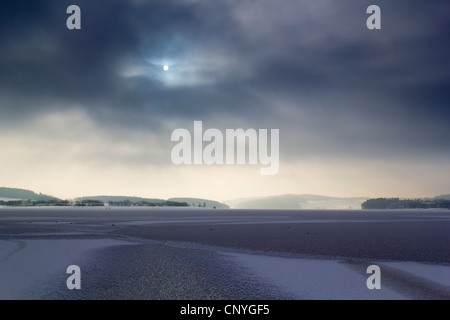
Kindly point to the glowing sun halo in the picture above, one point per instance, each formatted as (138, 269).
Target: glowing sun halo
(166, 68)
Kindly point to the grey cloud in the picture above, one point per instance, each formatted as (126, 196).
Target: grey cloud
(310, 68)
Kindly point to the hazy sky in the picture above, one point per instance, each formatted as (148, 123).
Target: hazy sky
(360, 112)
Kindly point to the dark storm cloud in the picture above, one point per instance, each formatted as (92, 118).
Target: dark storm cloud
(44, 64)
(310, 68)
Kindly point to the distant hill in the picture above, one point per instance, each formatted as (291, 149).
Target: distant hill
(443, 196)
(285, 201)
(297, 201)
(107, 199)
(22, 194)
(197, 202)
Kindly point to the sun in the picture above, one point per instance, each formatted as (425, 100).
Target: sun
(166, 67)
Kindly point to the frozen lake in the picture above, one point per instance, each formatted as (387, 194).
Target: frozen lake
(142, 253)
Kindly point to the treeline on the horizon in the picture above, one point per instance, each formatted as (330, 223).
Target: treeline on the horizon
(165, 203)
(396, 203)
(34, 203)
(90, 203)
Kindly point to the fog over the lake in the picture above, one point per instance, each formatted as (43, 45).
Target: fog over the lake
(360, 112)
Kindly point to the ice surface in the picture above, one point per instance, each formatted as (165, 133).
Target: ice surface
(27, 263)
(312, 279)
(332, 279)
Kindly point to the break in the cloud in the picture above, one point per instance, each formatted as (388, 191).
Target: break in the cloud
(92, 110)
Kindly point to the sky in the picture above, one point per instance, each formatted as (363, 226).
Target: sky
(91, 112)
